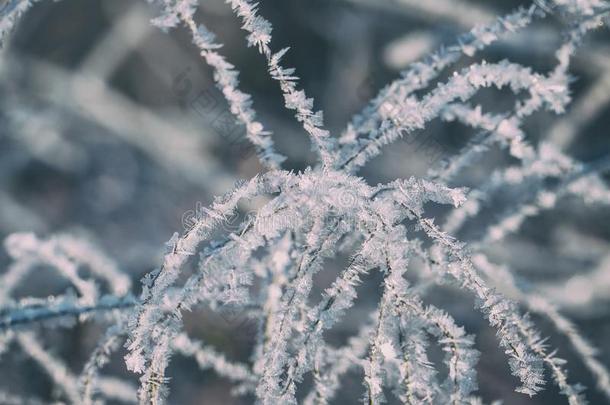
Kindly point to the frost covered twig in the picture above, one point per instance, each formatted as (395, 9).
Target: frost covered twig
(259, 31)
(266, 263)
(225, 76)
(58, 309)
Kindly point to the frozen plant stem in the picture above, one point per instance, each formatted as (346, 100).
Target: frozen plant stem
(266, 266)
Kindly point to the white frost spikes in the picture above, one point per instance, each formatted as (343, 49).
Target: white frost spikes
(271, 269)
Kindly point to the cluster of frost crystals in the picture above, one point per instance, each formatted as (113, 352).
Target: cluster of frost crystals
(225, 76)
(259, 35)
(266, 266)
